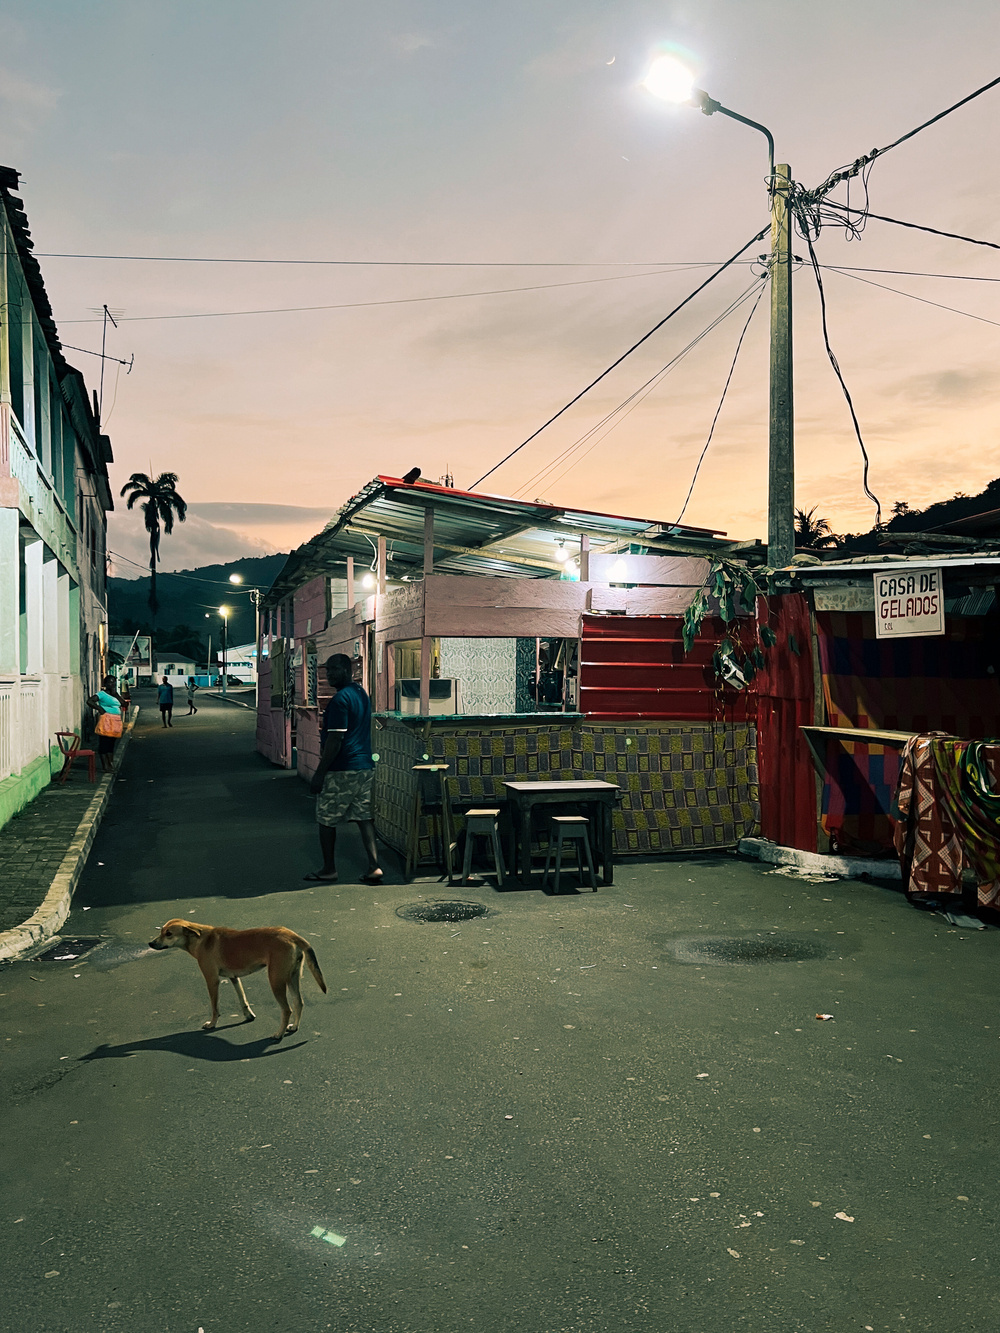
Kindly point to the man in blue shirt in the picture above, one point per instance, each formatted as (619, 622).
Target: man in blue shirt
(165, 698)
(342, 783)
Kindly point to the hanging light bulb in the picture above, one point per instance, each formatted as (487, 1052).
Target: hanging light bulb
(562, 555)
(368, 581)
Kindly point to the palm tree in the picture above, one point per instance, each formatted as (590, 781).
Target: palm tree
(810, 531)
(160, 501)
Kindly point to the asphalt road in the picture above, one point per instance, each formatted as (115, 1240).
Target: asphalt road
(571, 1115)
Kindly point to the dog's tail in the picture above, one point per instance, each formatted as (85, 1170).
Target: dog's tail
(313, 966)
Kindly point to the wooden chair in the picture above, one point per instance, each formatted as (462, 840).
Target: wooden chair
(69, 746)
(569, 828)
(422, 803)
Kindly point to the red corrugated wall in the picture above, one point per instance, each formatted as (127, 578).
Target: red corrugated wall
(785, 700)
(636, 667)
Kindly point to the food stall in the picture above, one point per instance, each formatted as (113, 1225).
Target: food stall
(513, 641)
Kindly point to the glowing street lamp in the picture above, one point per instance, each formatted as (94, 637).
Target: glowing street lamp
(671, 80)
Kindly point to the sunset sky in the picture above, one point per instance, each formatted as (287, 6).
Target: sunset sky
(470, 147)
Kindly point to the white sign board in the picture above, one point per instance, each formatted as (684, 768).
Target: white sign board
(909, 603)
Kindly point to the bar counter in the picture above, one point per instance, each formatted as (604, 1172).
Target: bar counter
(685, 785)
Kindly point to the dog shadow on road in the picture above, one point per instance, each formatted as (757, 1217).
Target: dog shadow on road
(194, 1046)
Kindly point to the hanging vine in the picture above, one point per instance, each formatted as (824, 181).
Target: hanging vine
(730, 591)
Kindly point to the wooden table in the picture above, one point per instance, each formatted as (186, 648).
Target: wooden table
(523, 797)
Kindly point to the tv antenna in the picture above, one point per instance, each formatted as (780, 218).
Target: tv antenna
(106, 314)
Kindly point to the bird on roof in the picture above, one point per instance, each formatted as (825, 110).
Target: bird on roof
(412, 476)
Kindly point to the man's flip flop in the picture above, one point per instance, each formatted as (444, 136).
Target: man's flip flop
(376, 878)
(316, 878)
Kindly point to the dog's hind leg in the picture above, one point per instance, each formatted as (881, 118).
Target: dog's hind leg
(294, 989)
(279, 983)
(248, 1013)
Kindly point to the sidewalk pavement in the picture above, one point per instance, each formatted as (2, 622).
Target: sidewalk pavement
(44, 849)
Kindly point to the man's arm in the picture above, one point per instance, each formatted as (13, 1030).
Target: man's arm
(331, 749)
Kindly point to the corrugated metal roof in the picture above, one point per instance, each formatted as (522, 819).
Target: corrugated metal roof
(474, 533)
(869, 563)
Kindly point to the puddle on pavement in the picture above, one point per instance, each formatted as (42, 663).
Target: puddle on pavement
(113, 953)
(733, 950)
(442, 911)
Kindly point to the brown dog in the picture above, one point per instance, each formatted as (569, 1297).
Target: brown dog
(221, 952)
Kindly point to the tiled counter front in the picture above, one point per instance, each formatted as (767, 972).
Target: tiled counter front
(689, 786)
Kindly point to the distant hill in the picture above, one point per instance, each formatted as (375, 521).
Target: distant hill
(186, 596)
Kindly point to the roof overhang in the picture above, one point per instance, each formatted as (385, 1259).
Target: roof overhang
(474, 533)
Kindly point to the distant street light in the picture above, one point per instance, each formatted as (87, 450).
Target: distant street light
(672, 81)
(256, 596)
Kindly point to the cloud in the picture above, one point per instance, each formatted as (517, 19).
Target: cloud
(408, 43)
(948, 386)
(191, 544)
(258, 515)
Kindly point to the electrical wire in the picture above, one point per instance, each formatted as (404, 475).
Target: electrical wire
(843, 383)
(913, 226)
(672, 265)
(909, 272)
(624, 409)
(191, 578)
(400, 300)
(645, 337)
(114, 397)
(856, 168)
(381, 263)
(596, 434)
(725, 390)
(832, 268)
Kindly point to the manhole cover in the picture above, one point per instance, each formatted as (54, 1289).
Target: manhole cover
(723, 950)
(442, 911)
(68, 951)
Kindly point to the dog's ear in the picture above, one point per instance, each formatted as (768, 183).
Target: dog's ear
(192, 931)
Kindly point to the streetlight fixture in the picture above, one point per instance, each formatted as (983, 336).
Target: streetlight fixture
(224, 613)
(672, 81)
(256, 597)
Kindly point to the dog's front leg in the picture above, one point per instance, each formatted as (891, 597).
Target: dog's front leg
(212, 982)
(248, 1013)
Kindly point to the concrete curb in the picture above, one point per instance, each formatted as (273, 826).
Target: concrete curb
(226, 699)
(56, 905)
(812, 863)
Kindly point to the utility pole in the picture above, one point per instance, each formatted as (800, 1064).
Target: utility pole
(225, 653)
(781, 417)
(670, 79)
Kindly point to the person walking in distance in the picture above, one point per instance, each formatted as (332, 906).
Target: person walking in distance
(342, 783)
(165, 698)
(191, 687)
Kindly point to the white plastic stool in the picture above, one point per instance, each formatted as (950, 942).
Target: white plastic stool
(483, 824)
(569, 828)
